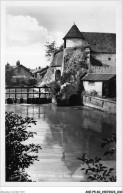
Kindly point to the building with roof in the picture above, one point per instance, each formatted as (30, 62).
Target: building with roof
(21, 71)
(100, 49)
(102, 85)
(86, 50)
(17, 73)
(56, 65)
(102, 46)
(74, 38)
(40, 72)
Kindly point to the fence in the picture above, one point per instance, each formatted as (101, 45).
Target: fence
(28, 93)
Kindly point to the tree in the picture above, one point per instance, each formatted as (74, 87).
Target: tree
(8, 74)
(18, 155)
(51, 49)
(31, 81)
(95, 170)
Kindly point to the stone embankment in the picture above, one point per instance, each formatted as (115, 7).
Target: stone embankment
(100, 103)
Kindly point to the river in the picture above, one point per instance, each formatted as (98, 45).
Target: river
(64, 134)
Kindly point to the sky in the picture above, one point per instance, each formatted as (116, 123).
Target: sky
(29, 27)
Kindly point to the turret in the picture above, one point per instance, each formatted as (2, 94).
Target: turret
(74, 38)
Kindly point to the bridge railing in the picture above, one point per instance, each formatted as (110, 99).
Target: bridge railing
(27, 92)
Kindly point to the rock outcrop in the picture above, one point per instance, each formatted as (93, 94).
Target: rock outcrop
(74, 63)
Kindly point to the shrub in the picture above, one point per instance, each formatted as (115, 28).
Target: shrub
(55, 88)
(31, 81)
(93, 93)
(65, 77)
(8, 75)
(24, 82)
(95, 170)
(18, 155)
(10, 101)
(18, 82)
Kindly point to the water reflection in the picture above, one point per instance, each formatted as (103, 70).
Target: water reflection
(64, 134)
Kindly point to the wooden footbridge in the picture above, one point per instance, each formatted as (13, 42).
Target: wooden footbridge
(29, 95)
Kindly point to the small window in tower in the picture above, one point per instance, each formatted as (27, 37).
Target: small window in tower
(109, 58)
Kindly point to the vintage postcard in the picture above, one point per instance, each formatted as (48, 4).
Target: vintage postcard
(61, 97)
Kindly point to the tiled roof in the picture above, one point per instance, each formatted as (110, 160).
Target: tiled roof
(22, 66)
(74, 33)
(26, 69)
(57, 60)
(101, 42)
(98, 77)
(41, 70)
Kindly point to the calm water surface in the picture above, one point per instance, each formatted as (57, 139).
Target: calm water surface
(64, 134)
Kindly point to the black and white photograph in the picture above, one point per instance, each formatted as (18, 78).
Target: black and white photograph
(61, 82)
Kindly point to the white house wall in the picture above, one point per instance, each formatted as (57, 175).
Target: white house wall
(74, 42)
(106, 59)
(97, 87)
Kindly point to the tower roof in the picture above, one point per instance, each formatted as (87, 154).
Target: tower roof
(74, 33)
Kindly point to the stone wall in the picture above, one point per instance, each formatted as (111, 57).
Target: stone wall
(75, 58)
(100, 103)
(106, 59)
(48, 77)
(98, 70)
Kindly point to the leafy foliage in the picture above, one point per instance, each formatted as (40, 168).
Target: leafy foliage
(8, 74)
(31, 81)
(55, 88)
(109, 141)
(75, 60)
(18, 155)
(68, 76)
(24, 82)
(51, 49)
(95, 170)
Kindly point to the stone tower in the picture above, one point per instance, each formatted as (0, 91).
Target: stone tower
(74, 39)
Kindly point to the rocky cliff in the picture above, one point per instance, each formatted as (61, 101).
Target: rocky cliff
(73, 62)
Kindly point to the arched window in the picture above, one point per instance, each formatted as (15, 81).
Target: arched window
(57, 75)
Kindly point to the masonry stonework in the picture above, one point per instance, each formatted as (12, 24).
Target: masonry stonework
(106, 59)
(100, 103)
